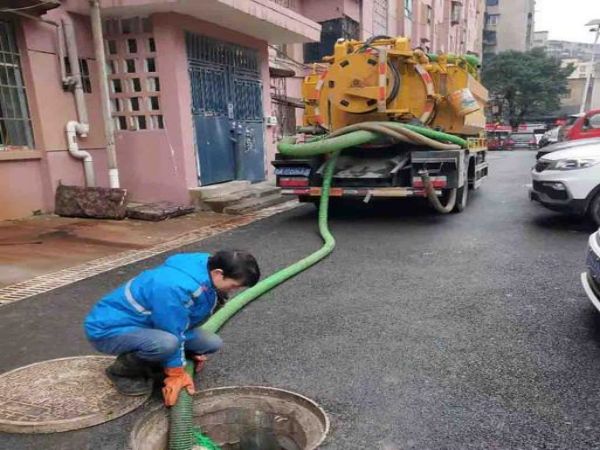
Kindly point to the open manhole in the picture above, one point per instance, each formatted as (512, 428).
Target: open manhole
(243, 418)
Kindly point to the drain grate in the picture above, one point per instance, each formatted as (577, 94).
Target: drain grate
(48, 282)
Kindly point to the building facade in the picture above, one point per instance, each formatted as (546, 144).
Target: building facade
(568, 50)
(540, 39)
(442, 26)
(189, 96)
(509, 25)
(571, 101)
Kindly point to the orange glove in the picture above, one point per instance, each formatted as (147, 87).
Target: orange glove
(177, 379)
(199, 361)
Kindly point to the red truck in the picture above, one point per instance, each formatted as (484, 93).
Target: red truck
(581, 126)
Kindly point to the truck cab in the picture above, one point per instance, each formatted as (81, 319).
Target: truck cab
(585, 126)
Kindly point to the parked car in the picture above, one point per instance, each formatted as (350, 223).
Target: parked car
(564, 129)
(584, 126)
(549, 137)
(565, 145)
(521, 140)
(569, 181)
(591, 277)
(496, 139)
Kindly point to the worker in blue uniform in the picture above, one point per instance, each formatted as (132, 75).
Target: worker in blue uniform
(152, 321)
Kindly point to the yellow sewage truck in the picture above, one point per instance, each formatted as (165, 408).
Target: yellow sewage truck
(424, 112)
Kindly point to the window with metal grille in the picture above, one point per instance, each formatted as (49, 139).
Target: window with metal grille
(15, 124)
(85, 74)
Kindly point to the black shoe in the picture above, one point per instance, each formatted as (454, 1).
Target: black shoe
(129, 375)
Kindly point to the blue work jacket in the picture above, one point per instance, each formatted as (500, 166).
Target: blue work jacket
(172, 297)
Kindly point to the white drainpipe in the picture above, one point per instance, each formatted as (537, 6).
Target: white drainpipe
(81, 127)
(109, 132)
(73, 129)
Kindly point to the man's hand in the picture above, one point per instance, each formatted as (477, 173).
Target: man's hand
(199, 361)
(177, 379)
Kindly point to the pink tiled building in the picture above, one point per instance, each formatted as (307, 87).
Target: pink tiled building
(188, 88)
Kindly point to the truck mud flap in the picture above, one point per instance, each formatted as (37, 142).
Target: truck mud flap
(448, 163)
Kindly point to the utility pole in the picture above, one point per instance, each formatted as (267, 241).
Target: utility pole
(588, 78)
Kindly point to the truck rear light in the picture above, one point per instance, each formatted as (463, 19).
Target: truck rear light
(437, 182)
(292, 182)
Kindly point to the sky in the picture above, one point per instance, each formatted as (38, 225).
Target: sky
(566, 19)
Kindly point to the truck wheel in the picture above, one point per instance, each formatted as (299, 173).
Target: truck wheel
(462, 195)
(594, 211)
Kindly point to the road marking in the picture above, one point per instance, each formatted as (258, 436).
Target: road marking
(50, 281)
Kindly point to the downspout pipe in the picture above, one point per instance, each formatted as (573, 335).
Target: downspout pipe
(81, 127)
(76, 75)
(74, 128)
(109, 132)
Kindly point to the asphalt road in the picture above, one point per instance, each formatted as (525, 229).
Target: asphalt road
(420, 331)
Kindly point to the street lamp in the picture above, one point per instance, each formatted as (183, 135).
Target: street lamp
(588, 78)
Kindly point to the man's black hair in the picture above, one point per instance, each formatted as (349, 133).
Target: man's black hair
(236, 264)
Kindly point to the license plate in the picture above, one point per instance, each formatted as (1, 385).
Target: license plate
(293, 171)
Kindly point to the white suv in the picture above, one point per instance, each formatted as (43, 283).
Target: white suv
(569, 181)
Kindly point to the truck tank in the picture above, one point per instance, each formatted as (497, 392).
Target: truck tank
(384, 79)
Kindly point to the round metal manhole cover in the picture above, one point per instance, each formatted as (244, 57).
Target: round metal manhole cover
(61, 395)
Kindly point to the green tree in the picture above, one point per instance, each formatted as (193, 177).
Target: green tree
(525, 83)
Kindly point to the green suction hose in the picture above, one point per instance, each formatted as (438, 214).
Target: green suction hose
(181, 434)
(238, 302)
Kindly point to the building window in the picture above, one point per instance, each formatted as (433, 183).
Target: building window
(455, 13)
(408, 8)
(429, 15)
(135, 93)
(492, 19)
(489, 37)
(331, 31)
(566, 94)
(491, 2)
(15, 124)
(85, 74)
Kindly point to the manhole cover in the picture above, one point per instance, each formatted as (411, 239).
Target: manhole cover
(61, 395)
(243, 418)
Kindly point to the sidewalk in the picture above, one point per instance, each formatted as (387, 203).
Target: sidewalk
(41, 253)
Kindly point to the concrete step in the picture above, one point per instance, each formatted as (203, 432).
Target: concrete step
(218, 204)
(265, 189)
(199, 195)
(218, 190)
(254, 204)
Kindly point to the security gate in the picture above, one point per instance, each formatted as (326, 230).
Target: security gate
(227, 110)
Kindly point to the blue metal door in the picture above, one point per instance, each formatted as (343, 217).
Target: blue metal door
(226, 109)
